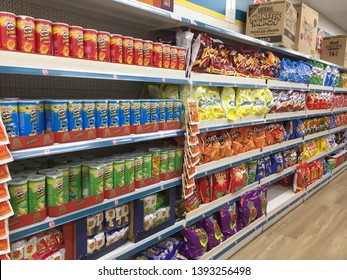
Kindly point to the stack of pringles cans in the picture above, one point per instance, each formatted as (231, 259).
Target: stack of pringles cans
(35, 117)
(29, 35)
(48, 182)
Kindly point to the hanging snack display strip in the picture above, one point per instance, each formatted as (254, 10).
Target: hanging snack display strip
(5, 205)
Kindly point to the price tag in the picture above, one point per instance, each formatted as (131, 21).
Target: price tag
(47, 151)
(116, 202)
(206, 173)
(163, 80)
(115, 76)
(51, 224)
(45, 72)
(203, 215)
(161, 135)
(159, 237)
(162, 187)
(114, 142)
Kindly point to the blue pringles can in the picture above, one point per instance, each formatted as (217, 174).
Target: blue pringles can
(88, 114)
(177, 110)
(154, 111)
(113, 113)
(169, 110)
(162, 109)
(101, 119)
(74, 115)
(27, 117)
(145, 112)
(40, 114)
(135, 115)
(124, 112)
(59, 115)
(9, 116)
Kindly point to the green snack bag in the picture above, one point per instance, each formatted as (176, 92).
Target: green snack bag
(251, 168)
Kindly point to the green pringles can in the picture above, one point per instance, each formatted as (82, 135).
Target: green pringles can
(85, 179)
(18, 189)
(129, 170)
(172, 160)
(108, 174)
(164, 161)
(147, 166)
(55, 188)
(155, 152)
(75, 182)
(66, 181)
(179, 159)
(138, 168)
(96, 179)
(118, 173)
(37, 193)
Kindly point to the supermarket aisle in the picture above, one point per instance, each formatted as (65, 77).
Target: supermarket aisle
(317, 229)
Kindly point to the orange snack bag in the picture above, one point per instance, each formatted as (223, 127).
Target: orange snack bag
(225, 142)
(259, 136)
(236, 143)
(5, 209)
(5, 155)
(4, 194)
(4, 173)
(247, 138)
(3, 228)
(4, 246)
(3, 135)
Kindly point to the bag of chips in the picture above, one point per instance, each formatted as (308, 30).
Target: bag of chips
(268, 166)
(260, 174)
(220, 183)
(195, 242)
(228, 220)
(251, 168)
(214, 233)
(203, 185)
(238, 177)
(301, 177)
(228, 98)
(277, 162)
(209, 103)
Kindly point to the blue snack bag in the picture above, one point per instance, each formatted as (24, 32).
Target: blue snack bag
(268, 166)
(260, 173)
(298, 129)
(277, 162)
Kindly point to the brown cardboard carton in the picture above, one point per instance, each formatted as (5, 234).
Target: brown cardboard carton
(273, 22)
(334, 50)
(306, 29)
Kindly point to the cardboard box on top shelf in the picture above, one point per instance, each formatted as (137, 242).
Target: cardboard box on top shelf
(306, 29)
(273, 22)
(334, 50)
(163, 4)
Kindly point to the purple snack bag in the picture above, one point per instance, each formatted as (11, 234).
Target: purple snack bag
(228, 220)
(195, 242)
(249, 207)
(210, 225)
(263, 200)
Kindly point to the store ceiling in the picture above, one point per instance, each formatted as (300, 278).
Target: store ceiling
(335, 10)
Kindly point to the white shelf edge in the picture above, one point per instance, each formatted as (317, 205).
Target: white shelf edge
(275, 84)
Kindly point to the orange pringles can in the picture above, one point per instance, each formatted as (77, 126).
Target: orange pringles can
(138, 52)
(158, 55)
(26, 34)
(61, 42)
(166, 56)
(8, 36)
(182, 53)
(90, 44)
(147, 53)
(173, 57)
(116, 48)
(44, 37)
(128, 50)
(76, 41)
(104, 46)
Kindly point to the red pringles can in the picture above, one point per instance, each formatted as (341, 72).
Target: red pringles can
(44, 37)
(147, 53)
(61, 42)
(166, 56)
(158, 55)
(104, 46)
(90, 44)
(26, 34)
(173, 57)
(8, 37)
(182, 53)
(128, 50)
(138, 52)
(116, 48)
(76, 42)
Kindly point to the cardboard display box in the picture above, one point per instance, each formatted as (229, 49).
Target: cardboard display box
(306, 29)
(273, 22)
(334, 50)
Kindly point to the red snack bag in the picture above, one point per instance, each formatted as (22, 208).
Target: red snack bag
(4, 257)
(203, 185)
(311, 101)
(219, 183)
(238, 177)
(5, 155)
(301, 177)
(203, 47)
(3, 228)
(259, 136)
(4, 174)
(5, 209)
(4, 194)
(287, 181)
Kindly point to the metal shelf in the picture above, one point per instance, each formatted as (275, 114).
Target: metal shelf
(33, 64)
(340, 90)
(93, 144)
(106, 204)
(320, 88)
(129, 249)
(274, 84)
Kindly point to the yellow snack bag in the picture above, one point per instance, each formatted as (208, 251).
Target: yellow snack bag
(228, 98)
(169, 91)
(184, 93)
(209, 103)
(258, 102)
(244, 102)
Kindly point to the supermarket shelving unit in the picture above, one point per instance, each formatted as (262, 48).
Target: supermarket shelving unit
(149, 18)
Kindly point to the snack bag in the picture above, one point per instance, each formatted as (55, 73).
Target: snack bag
(210, 225)
(249, 208)
(220, 183)
(195, 242)
(236, 142)
(209, 147)
(263, 201)
(268, 166)
(251, 168)
(259, 136)
(209, 103)
(238, 177)
(260, 173)
(244, 102)
(228, 98)
(277, 162)
(191, 203)
(225, 144)
(203, 185)
(247, 138)
(301, 177)
(202, 52)
(228, 220)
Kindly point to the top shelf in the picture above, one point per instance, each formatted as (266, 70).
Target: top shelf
(153, 18)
